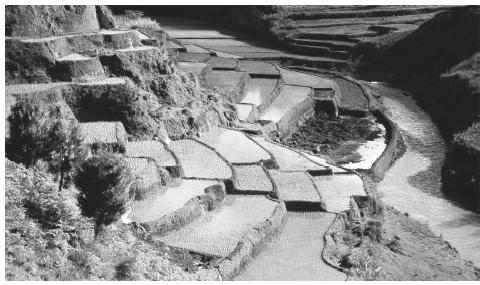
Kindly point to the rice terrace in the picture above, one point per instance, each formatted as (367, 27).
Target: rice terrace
(214, 143)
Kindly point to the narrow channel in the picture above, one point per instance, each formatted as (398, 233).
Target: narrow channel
(413, 183)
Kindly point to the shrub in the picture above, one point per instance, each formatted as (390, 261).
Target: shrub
(39, 131)
(33, 126)
(133, 14)
(104, 182)
(133, 19)
(69, 150)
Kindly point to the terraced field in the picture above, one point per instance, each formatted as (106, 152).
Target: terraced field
(287, 159)
(335, 32)
(259, 89)
(337, 189)
(200, 161)
(212, 220)
(252, 179)
(296, 254)
(152, 149)
(296, 187)
(167, 201)
(290, 97)
(218, 233)
(235, 146)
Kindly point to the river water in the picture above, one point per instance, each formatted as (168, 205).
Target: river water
(413, 183)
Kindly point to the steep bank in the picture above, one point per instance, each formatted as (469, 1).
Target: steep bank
(445, 77)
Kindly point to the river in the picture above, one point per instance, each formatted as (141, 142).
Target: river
(413, 183)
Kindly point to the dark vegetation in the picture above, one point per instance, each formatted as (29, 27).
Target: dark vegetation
(47, 238)
(41, 132)
(104, 182)
(335, 138)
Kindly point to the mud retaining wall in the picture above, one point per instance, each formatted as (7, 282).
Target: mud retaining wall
(295, 116)
(252, 243)
(395, 146)
(193, 209)
(268, 100)
(337, 226)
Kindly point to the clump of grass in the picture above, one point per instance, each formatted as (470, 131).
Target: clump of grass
(134, 19)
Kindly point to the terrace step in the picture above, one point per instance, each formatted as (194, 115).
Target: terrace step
(104, 133)
(235, 146)
(296, 253)
(337, 189)
(191, 48)
(293, 103)
(157, 151)
(320, 51)
(259, 69)
(252, 179)
(176, 47)
(223, 63)
(79, 68)
(288, 159)
(12, 91)
(247, 112)
(200, 161)
(193, 57)
(233, 83)
(322, 161)
(333, 45)
(149, 179)
(297, 190)
(217, 233)
(369, 12)
(78, 43)
(193, 67)
(168, 200)
(261, 92)
(320, 23)
(294, 77)
(119, 39)
(318, 35)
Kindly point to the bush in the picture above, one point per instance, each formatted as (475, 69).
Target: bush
(133, 14)
(39, 131)
(32, 128)
(104, 182)
(133, 19)
(69, 150)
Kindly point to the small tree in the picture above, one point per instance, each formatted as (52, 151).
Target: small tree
(31, 128)
(38, 131)
(104, 182)
(69, 150)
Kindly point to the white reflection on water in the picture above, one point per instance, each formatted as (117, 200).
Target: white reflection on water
(413, 183)
(369, 151)
(253, 96)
